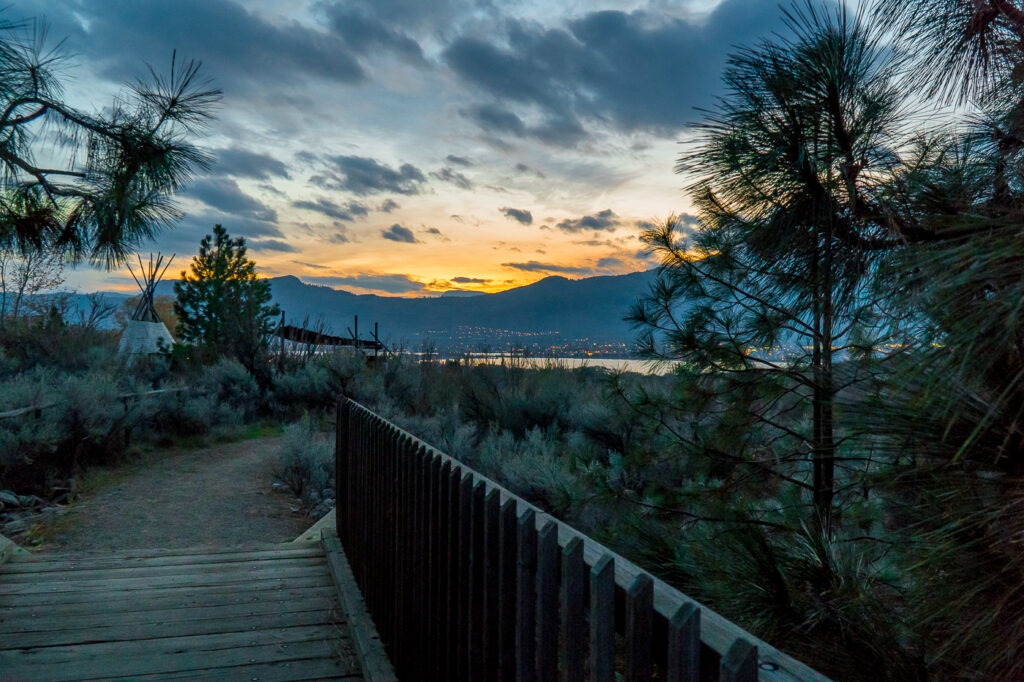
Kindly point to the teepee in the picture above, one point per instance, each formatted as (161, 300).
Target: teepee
(145, 332)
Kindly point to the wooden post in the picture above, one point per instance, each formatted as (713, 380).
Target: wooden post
(602, 620)
(376, 340)
(492, 594)
(433, 564)
(526, 598)
(547, 602)
(465, 573)
(476, 583)
(573, 645)
(507, 588)
(739, 663)
(442, 574)
(639, 629)
(450, 632)
(341, 463)
(280, 332)
(684, 644)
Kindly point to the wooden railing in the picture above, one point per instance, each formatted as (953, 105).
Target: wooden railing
(468, 582)
(37, 410)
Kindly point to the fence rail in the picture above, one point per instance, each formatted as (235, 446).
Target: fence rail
(466, 581)
(37, 409)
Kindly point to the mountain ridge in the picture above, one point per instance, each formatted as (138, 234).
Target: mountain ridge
(553, 312)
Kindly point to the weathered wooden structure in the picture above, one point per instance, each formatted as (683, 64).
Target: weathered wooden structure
(271, 612)
(466, 581)
(435, 573)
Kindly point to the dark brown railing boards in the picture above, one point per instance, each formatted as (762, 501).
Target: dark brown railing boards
(467, 581)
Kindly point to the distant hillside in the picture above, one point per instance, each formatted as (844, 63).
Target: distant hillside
(544, 313)
(554, 311)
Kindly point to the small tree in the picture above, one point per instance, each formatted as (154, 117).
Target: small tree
(223, 307)
(26, 274)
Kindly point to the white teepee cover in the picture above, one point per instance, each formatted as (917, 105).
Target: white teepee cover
(141, 337)
(145, 330)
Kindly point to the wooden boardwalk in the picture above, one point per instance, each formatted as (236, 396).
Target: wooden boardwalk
(260, 613)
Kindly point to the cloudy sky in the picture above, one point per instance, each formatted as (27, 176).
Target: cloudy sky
(405, 147)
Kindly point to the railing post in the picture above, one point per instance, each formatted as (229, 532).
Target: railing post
(451, 627)
(739, 663)
(492, 594)
(341, 454)
(684, 644)
(547, 602)
(573, 641)
(526, 598)
(602, 620)
(507, 600)
(639, 629)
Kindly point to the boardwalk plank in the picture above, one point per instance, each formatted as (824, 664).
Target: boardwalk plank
(284, 671)
(64, 562)
(196, 579)
(106, 664)
(79, 574)
(34, 619)
(181, 628)
(184, 593)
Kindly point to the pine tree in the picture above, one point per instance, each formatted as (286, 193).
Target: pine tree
(91, 184)
(223, 307)
(772, 286)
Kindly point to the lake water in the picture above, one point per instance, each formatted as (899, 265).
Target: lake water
(614, 364)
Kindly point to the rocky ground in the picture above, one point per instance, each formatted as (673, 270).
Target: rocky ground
(218, 495)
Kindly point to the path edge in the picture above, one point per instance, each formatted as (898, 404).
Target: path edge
(369, 649)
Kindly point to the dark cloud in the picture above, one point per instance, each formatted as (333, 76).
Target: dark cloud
(364, 33)
(610, 262)
(225, 195)
(245, 164)
(636, 71)
(534, 266)
(469, 280)
(454, 177)
(271, 245)
(437, 233)
(495, 119)
(397, 233)
(243, 49)
(518, 214)
(388, 205)
(311, 265)
(603, 220)
(362, 175)
(392, 284)
(524, 169)
(186, 235)
(561, 130)
(350, 211)
(458, 160)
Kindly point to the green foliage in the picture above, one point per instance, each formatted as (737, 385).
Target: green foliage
(885, 262)
(223, 307)
(305, 462)
(110, 176)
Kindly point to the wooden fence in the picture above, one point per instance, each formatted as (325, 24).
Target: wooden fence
(466, 581)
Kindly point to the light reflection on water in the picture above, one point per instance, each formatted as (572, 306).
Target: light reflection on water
(614, 364)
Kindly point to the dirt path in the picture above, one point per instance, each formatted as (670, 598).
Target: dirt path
(218, 495)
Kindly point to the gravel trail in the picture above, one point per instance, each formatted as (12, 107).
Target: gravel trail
(216, 495)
